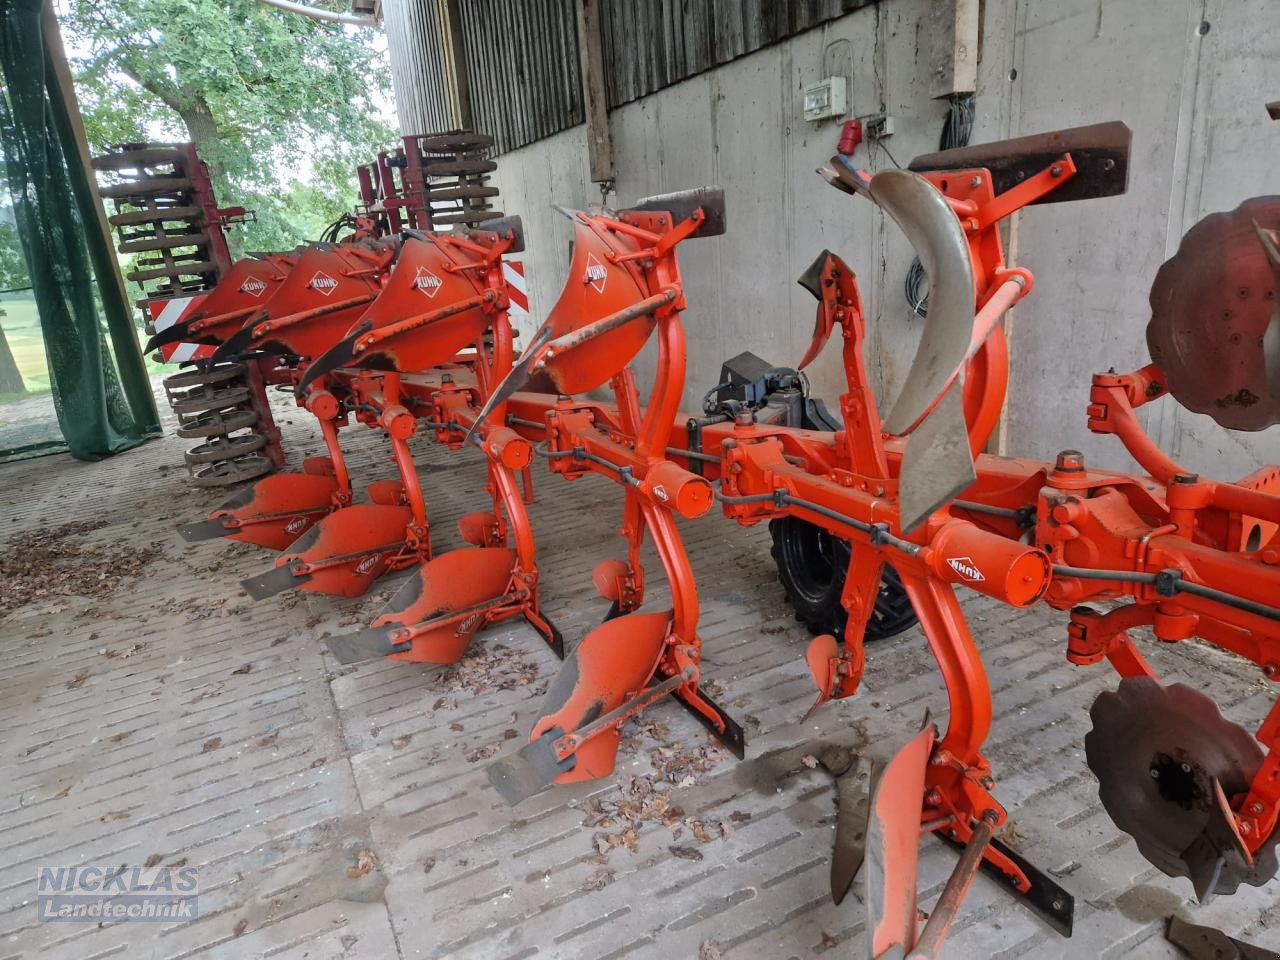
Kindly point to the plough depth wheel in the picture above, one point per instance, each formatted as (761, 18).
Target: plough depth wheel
(812, 564)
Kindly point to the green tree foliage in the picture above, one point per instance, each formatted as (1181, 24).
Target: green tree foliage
(281, 107)
(13, 266)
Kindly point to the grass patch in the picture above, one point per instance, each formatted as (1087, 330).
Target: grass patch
(21, 324)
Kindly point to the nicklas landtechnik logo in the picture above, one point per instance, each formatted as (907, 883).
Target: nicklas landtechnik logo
(106, 893)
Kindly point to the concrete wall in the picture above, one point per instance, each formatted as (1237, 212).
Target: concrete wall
(1202, 142)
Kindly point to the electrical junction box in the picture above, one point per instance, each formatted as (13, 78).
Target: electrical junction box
(826, 99)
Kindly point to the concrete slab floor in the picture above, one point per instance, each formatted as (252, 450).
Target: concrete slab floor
(162, 718)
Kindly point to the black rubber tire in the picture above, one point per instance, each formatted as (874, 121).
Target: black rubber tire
(811, 567)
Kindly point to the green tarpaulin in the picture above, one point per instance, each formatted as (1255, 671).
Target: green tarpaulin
(100, 387)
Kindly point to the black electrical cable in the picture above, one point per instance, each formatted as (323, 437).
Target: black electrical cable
(514, 421)
(916, 289)
(1219, 596)
(1171, 582)
(330, 233)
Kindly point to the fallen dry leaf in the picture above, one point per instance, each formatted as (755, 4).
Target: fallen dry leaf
(242, 670)
(483, 752)
(241, 926)
(111, 816)
(213, 743)
(122, 736)
(685, 852)
(78, 680)
(710, 950)
(152, 860)
(402, 741)
(828, 941)
(428, 864)
(56, 562)
(364, 863)
(809, 760)
(598, 880)
(269, 741)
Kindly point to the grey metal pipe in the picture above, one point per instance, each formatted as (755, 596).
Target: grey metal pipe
(316, 13)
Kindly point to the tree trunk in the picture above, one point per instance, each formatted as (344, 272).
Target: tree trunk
(10, 376)
(202, 129)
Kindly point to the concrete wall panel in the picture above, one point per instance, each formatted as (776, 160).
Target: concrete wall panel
(1201, 143)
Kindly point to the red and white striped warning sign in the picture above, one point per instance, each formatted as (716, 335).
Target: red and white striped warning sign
(517, 289)
(164, 314)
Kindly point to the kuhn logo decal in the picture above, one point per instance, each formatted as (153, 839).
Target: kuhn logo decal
(596, 273)
(368, 563)
(660, 492)
(253, 286)
(323, 283)
(427, 282)
(966, 568)
(470, 625)
(297, 525)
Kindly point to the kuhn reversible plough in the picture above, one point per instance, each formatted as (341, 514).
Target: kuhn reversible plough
(914, 506)
(397, 332)
(1195, 557)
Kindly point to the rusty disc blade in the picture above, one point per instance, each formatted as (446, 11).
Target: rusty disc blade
(460, 580)
(1215, 318)
(1156, 751)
